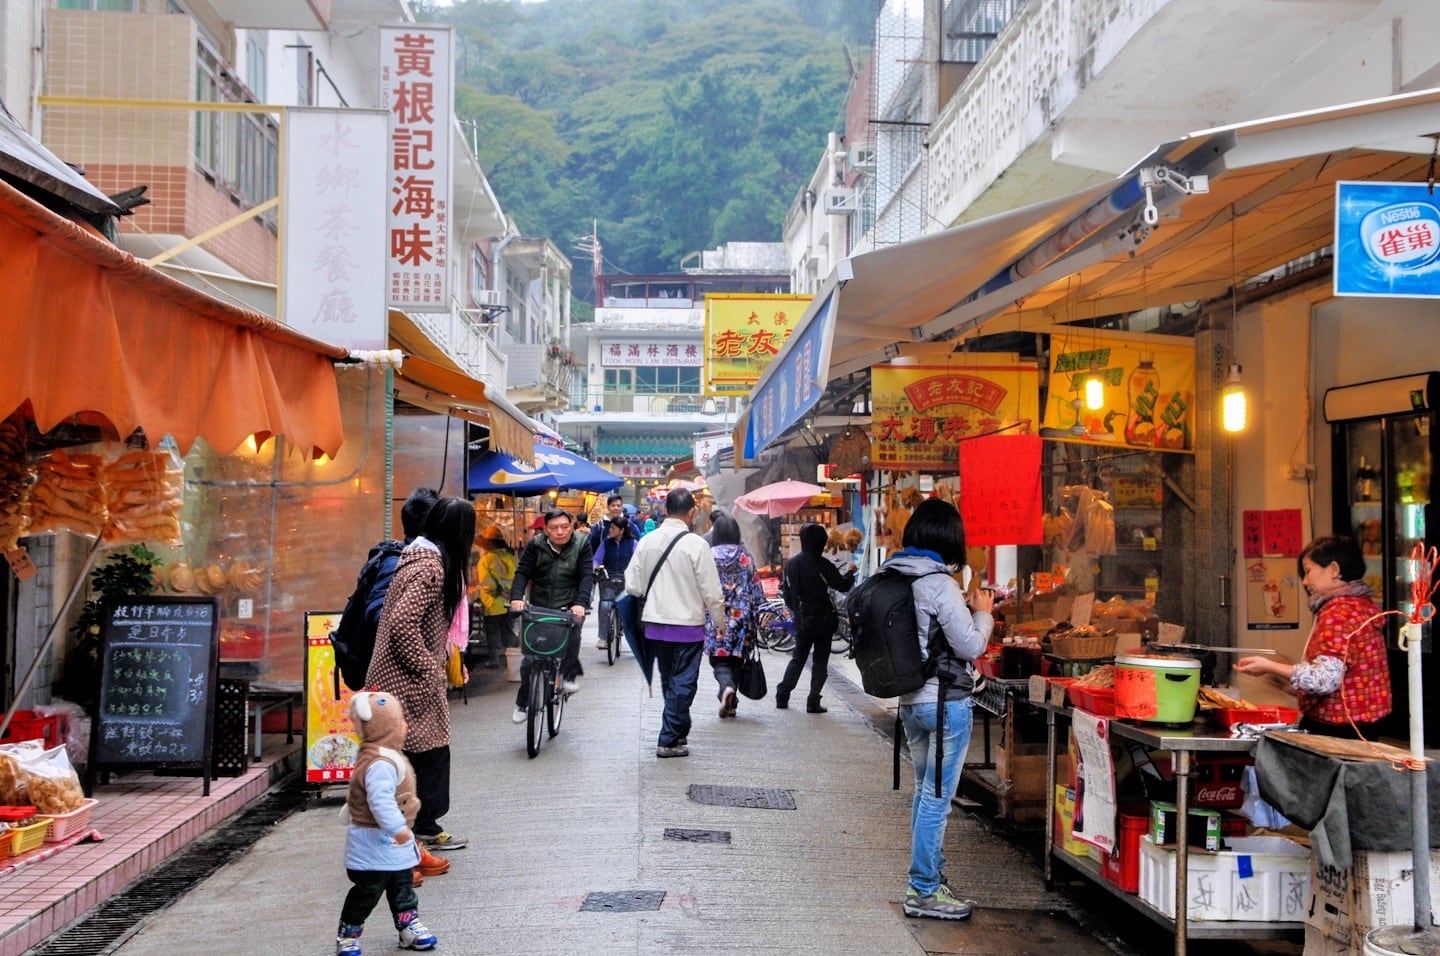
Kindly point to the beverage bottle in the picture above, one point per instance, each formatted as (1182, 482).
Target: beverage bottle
(1144, 395)
(1364, 481)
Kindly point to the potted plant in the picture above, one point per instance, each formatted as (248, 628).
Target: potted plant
(127, 573)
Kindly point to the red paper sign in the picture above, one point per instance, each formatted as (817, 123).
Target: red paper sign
(1272, 534)
(1000, 491)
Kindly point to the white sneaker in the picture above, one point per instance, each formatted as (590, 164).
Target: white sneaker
(519, 715)
(571, 686)
(414, 935)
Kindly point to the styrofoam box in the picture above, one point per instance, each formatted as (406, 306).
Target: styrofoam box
(1376, 890)
(1260, 879)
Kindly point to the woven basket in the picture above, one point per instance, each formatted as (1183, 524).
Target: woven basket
(849, 452)
(1084, 648)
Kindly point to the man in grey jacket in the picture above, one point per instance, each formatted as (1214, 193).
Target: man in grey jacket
(686, 588)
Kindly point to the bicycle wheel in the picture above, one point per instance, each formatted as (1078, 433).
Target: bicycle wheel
(554, 703)
(533, 712)
(612, 643)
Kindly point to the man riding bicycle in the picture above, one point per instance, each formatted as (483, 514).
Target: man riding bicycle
(557, 569)
(614, 544)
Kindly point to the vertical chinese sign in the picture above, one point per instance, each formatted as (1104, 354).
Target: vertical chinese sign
(334, 236)
(417, 90)
(1147, 384)
(1387, 240)
(331, 743)
(742, 334)
(792, 384)
(920, 412)
(1001, 494)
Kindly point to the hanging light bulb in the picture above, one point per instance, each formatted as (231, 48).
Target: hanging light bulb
(1094, 389)
(1233, 402)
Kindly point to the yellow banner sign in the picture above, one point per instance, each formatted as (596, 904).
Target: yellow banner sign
(920, 412)
(331, 744)
(743, 332)
(1146, 390)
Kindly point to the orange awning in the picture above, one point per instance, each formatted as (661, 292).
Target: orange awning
(90, 328)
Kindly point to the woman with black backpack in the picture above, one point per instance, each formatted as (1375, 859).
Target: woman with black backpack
(806, 585)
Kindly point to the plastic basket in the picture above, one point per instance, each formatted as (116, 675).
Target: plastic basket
(63, 825)
(545, 631)
(1084, 648)
(28, 725)
(25, 839)
(1230, 716)
(770, 587)
(1099, 701)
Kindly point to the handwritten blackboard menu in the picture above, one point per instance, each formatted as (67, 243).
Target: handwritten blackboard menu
(158, 661)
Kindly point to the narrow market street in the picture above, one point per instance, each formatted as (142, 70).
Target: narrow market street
(597, 813)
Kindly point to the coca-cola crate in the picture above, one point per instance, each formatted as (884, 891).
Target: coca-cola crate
(1215, 780)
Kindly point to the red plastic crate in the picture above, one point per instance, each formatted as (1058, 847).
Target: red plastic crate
(1215, 780)
(28, 725)
(1099, 701)
(1123, 867)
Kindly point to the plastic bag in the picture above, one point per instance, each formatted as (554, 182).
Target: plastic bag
(30, 774)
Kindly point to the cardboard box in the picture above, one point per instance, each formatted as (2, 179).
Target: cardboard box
(1203, 833)
(1260, 879)
(1065, 822)
(1376, 890)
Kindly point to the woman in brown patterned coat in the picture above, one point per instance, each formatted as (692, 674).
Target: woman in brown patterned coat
(410, 649)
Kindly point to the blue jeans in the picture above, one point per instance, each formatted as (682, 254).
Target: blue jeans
(927, 811)
(679, 677)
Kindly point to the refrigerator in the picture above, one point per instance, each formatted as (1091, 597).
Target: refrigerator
(1383, 446)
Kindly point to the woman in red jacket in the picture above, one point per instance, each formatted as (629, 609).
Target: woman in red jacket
(1345, 676)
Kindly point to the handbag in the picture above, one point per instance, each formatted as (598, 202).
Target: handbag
(751, 679)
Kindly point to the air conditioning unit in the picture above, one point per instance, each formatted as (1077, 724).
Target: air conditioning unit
(840, 202)
(484, 297)
(861, 157)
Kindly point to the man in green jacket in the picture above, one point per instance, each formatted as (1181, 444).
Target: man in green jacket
(557, 569)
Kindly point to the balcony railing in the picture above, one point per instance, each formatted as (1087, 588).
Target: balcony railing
(645, 401)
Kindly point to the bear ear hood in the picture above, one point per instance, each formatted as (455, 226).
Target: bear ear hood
(378, 718)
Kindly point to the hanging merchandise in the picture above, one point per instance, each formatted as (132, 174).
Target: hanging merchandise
(1099, 525)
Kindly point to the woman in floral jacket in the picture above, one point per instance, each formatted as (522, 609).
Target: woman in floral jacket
(726, 646)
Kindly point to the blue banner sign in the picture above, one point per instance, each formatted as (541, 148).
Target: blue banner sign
(1387, 240)
(795, 380)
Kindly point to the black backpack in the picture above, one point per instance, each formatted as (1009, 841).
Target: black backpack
(885, 645)
(354, 637)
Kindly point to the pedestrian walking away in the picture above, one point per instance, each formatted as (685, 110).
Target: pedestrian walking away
(806, 583)
(728, 640)
(674, 571)
(411, 650)
(934, 540)
(380, 809)
(556, 570)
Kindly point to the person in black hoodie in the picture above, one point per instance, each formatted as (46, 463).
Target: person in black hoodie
(806, 585)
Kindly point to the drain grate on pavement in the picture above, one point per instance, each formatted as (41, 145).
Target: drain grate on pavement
(697, 836)
(756, 798)
(623, 901)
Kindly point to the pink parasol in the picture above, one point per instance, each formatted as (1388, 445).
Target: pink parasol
(780, 498)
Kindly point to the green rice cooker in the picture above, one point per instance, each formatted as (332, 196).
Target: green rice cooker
(1160, 690)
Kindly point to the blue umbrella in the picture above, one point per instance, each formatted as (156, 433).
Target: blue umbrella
(629, 610)
(576, 472)
(495, 473)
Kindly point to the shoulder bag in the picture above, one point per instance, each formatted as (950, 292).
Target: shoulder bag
(751, 679)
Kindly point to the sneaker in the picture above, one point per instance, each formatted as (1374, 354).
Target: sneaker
(938, 905)
(679, 750)
(602, 645)
(414, 935)
(442, 841)
(431, 865)
(571, 686)
(727, 703)
(519, 715)
(346, 946)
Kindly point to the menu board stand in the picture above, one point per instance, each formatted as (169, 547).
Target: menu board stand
(159, 657)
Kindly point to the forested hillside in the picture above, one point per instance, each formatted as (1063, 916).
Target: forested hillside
(671, 125)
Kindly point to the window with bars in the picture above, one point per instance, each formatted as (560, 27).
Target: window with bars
(238, 152)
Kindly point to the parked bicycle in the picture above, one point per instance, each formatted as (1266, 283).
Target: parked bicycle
(775, 626)
(544, 635)
(841, 642)
(610, 592)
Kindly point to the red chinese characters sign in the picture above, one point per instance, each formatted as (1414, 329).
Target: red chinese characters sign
(417, 90)
(921, 412)
(742, 334)
(1001, 498)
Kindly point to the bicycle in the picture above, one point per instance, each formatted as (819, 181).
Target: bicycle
(610, 593)
(544, 635)
(840, 644)
(775, 626)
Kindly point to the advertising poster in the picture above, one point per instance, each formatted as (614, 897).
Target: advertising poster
(920, 412)
(742, 334)
(1272, 594)
(1094, 782)
(1147, 384)
(1387, 240)
(331, 744)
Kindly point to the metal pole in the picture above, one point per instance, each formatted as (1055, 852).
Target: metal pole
(44, 649)
(1419, 778)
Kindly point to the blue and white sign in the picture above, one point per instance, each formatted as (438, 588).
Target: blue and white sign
(1387, 240)
(794, 381)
